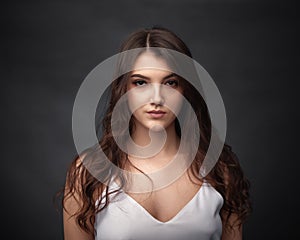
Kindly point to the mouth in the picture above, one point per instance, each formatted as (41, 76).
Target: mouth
(156, 114)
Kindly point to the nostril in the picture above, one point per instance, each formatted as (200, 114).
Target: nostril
(157, 101)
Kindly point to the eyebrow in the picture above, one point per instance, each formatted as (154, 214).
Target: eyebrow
(142, 76)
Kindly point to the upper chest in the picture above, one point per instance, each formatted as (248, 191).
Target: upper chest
(166, 203)
(179, 211)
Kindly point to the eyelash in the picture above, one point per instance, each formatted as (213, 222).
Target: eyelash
(139, 82)
(172, 83)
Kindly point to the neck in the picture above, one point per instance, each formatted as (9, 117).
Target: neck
(141, 137)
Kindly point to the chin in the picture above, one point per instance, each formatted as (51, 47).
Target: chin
(157, 128)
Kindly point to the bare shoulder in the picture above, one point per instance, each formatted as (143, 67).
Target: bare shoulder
(73, 203)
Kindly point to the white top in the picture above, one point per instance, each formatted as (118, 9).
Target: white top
(126, 219)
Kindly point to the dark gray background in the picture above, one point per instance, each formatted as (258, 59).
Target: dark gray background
(48, 47)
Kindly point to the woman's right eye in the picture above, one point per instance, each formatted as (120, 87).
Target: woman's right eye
(139, 82)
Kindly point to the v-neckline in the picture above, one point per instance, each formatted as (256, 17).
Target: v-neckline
(177, 215)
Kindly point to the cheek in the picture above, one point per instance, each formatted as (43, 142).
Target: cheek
(130, 101)
(136, 100)
(133, 102)
(174, 103)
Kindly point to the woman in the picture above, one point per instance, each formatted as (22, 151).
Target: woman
(211, 207)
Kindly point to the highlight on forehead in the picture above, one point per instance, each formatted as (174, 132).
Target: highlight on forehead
(149, 59)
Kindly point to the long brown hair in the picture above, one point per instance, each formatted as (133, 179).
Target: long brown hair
(226, 176)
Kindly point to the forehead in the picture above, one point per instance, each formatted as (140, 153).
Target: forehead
(152, 74)
(148, 60)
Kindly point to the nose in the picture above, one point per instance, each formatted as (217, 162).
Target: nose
(157, 98)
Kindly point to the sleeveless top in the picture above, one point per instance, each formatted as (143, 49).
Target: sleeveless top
(126, 219)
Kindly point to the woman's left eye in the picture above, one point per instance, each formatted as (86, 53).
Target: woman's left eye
(172, 83)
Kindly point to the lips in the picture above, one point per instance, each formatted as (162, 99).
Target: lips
(156, 113)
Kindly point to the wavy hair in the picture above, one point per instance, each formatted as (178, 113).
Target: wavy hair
(226, 176)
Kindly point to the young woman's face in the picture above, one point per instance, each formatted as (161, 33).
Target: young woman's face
(154, 95)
